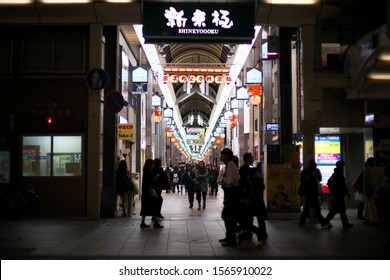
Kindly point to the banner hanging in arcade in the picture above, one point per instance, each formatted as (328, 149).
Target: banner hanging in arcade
(186, 22)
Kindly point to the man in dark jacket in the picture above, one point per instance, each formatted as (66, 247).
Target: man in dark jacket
(251, 204)
(310, 178)
(338, 190)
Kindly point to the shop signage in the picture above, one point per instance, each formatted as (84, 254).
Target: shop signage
(156, 101)
(139, 75)
(196, 79)
(254, 76)
(242, 93)
(185, 22)
(271, 127)
(168, 113)
(126, 131)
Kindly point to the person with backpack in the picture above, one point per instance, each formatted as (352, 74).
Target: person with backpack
(310, 178)
(338, 189)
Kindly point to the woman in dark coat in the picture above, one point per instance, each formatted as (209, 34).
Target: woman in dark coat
(149, 203)
(161, 182)
(201, 192)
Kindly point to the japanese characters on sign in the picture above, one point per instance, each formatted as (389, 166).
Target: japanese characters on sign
(177, 19)
(126, 131)
(198, 79)
(170, 22)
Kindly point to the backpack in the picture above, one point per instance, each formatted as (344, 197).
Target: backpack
(302, 189)
(331, 184)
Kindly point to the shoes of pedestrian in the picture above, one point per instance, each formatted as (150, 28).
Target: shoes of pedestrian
(143, 225)
(326, 226)
(204, 206)
(360, 218)
(241, 237)
(347, 225)
(191, 206)
(261, 236)
(157, 225)
(229, 243)
(160, 216)
(224, 240)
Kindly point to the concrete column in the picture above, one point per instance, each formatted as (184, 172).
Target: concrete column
(285, 35)
(309, 124)
(93, 157)
(111, 59)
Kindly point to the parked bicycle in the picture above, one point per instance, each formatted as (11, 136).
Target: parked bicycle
(22, 201)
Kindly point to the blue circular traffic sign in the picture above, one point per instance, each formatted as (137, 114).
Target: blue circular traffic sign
(114, 101)
(97, 79)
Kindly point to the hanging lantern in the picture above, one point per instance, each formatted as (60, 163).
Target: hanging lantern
(255, 90)
(156, 115)
(233, 120)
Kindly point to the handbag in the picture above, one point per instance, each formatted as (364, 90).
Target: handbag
(359, 196)
(134, 188)
(152, 192)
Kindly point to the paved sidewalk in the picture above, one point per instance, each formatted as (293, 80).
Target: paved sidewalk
(187, 234)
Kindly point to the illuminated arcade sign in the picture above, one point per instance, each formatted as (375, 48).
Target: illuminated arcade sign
(196, 79)
(185, 22)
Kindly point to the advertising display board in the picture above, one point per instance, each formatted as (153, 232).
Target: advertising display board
(282, 175)
(327, 153)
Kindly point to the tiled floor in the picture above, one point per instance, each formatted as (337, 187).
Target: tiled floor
(187, 234)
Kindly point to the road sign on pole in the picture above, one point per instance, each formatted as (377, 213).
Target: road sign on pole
(114, 101)
(97, 79)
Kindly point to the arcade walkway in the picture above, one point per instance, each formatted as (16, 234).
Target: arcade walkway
(187, 234)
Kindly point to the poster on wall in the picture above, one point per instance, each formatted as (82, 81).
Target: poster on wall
(282, 178)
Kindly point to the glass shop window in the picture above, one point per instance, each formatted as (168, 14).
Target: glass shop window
(66, 155)
(52, 155)
(35, 155)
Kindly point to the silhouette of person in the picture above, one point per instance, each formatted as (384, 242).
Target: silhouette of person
(310, 178)
(338, 189)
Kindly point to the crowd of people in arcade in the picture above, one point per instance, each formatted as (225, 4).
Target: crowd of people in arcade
(243, 193)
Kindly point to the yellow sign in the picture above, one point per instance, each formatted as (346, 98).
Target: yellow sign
(126, 131)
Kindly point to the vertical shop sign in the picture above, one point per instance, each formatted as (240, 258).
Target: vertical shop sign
(126, 131)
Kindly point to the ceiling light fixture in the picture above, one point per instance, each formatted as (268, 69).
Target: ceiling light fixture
(292, 2)
(190, 69)
(65, 1)
(15, 2)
